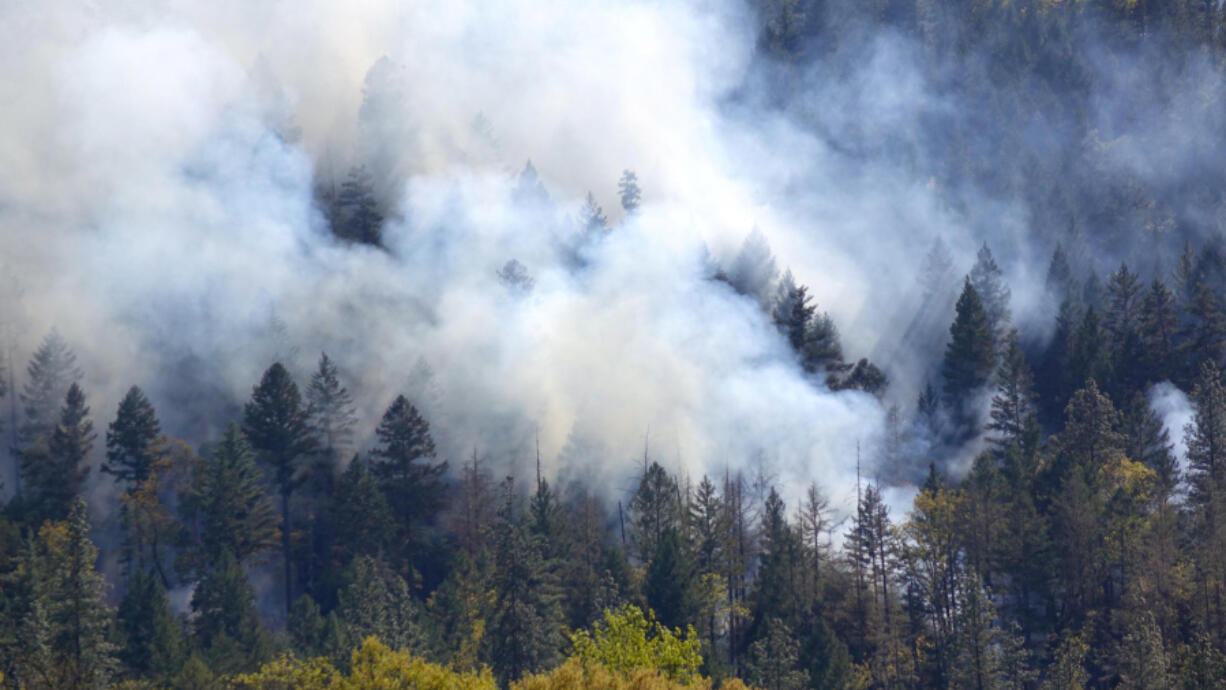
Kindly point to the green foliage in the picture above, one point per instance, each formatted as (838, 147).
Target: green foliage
(628, 640)
(130, 439)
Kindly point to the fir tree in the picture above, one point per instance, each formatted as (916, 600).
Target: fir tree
(228, 503)
(55, 479)
(52, 369)
(129, 439)
(404, 465)
(67, 632)
(524, 631)
(628, 190)
(774, 659)
(224, 604)
(592, 219)
(1158, 329)
(376, 601)
(1013, 405)
(654, 510)
(990, 287)
(669, 584)
(355, 214)
(970, 355)
(152, 637)
(277, 427)
(362, 517)
(330, 413)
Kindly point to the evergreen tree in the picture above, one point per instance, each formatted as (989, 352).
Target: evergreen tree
(67, 630)
(970, 355)
(52, 369)
(628, 190)
(362, 517)
(524, 631)
(224, 604)
(1123, 324)
(1158, 329)
(1205, 330)
(130, 438)
(780, 584)
(592, 219)
(277, 427)
(330, 413)
(355, 215)
(1013, 406)
(152, 637)
(753, 270)
(528, 187)
(774, 660)
(989, 285)
(404, 465)
(307, 627)
(1205, 439)
(228, 504)
(376, 601)
(1088, 355)
(654, 510)
(55, 479)
(669, 584)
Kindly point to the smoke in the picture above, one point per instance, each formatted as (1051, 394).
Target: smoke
(158, 180)
(159, 170)
(1176, 412)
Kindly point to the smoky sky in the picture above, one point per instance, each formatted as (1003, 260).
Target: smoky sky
(160, 168)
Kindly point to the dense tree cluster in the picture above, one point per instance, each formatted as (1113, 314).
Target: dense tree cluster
(1075, 550)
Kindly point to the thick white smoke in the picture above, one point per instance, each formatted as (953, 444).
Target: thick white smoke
(157, 183)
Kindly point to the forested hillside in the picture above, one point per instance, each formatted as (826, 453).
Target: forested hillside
(898, 359)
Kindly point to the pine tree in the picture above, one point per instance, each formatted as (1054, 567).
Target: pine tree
(130, 438)
(224, 604)
(753, 270)
(654, 510)
(355, 215)
(1158, 329)
(1143, 661)
(404, 465)
(152, 637)
(774, 660)
(376, 601)
(54, 480)
(970, 355)
(277, 427)
(1123, 324)
(669, 583)
(361, 515)
(1205, 332)
(67, 630)
(228, 503)
(524, 629)
(307, 627)
(331, 414)
(529, 189)
(780, 587)
(793, 312)
(1088, 355)
(1013, 406)
(1205, 439)
(990, 286)
(628, 190)
(592, 220)
(52, 369)
(1059, 281)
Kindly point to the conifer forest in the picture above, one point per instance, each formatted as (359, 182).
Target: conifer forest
(613, 344)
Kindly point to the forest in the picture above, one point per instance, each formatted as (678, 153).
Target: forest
(369, 422)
